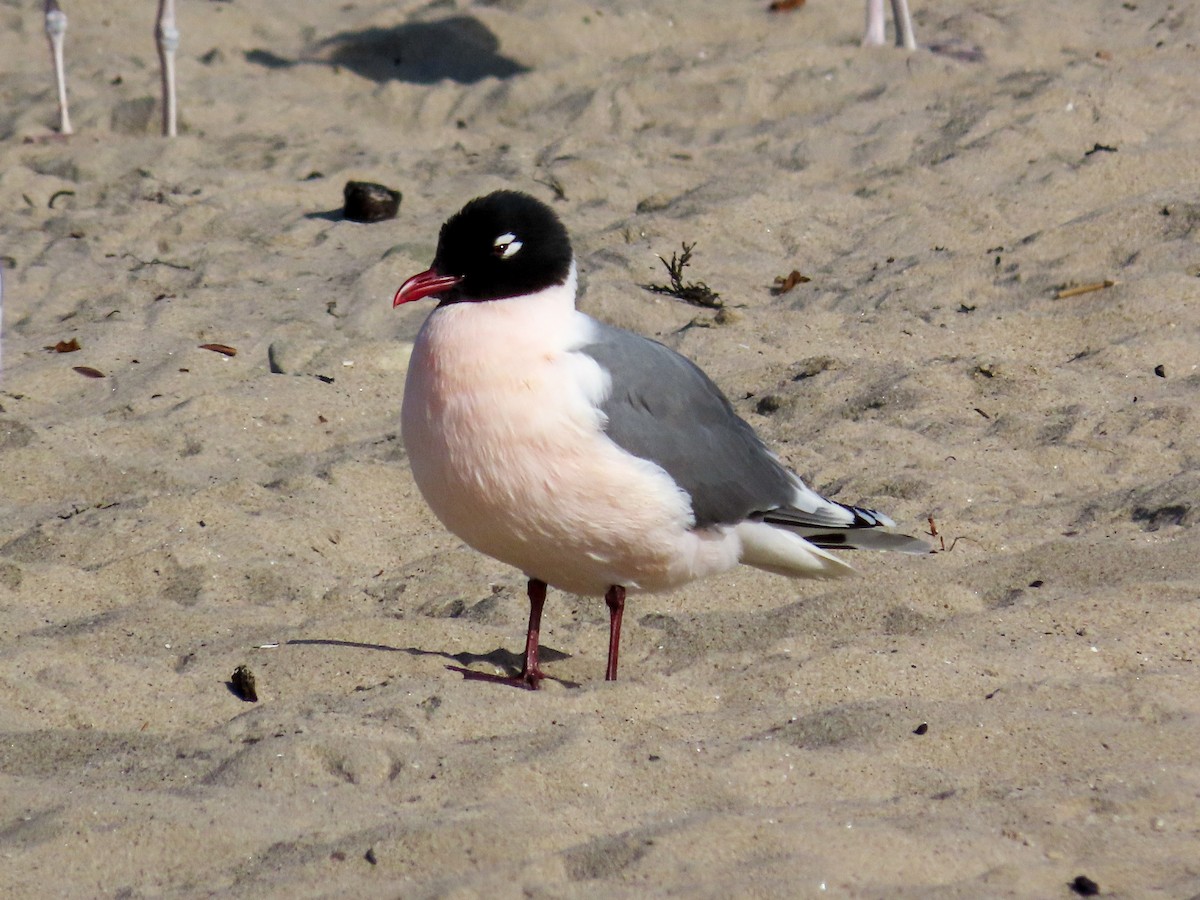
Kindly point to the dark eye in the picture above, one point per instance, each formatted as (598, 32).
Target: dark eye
(506, 246)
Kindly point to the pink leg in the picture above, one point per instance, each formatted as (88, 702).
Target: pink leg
(615, 598)
(530, 673)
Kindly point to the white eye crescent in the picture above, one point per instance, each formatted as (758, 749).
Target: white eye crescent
(506, 245)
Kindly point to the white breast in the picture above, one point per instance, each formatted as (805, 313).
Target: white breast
(505, 438)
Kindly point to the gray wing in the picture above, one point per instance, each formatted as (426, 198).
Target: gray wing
(663, 408)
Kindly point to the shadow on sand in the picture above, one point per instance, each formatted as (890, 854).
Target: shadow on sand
(503, 659)
(460, 49)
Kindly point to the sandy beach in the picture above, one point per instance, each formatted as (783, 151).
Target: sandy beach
(1000, 332)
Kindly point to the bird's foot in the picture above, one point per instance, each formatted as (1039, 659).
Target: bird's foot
(527, 680)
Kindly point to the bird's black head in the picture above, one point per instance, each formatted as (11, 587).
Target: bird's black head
(503, 245)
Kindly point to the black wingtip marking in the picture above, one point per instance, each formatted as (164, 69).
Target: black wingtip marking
(866, 518)
(862, 518)
(830, 540)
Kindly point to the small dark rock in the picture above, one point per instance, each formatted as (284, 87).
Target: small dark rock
(367, 202)
(923, 728)
(242, 684)
(1160, 371)
(770, 403)
(1084, 886)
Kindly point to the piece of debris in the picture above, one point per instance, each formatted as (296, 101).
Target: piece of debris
(768, 404)
(65, 346)
(785, 5)
(933, 532)
(369, 202)
(241, 682)
(957, 49)
(223, 349)
(784, 283)
(1063, 293)
(88, 371)
(1084, 886)
(1160, 370)
(696, 293)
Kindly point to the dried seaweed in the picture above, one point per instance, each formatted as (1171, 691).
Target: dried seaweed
(696, 293)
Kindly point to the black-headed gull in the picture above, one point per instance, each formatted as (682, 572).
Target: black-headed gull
(593, 459)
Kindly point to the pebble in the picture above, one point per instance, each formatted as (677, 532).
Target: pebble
(368, 202)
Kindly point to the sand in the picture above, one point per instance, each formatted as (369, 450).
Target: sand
(989, 721)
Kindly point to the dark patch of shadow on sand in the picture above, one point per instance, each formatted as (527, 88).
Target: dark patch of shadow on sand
(460, 49)
(331, 215)
(501, 658)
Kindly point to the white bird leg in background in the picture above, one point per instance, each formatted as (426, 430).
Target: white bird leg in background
(874, 35)
(168, 43)
(56, 30)
(1, 320)
(167, 34)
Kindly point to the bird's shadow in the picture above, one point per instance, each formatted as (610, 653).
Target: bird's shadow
(503, 659)
(459, 48)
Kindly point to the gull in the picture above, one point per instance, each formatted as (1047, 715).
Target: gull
(591, 458)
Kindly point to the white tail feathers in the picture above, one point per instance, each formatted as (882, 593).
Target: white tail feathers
(784, 552)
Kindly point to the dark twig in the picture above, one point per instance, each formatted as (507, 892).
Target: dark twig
(696, 293)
